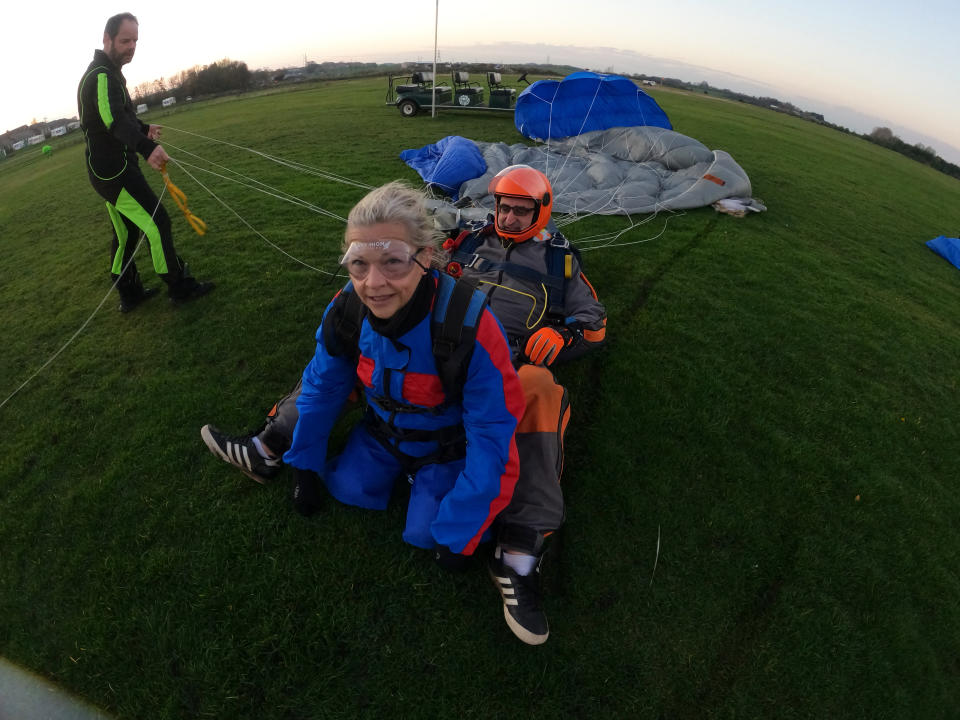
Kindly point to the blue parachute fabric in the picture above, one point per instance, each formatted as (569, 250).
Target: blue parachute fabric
(447, 163)
(584, 101)
(946, 247)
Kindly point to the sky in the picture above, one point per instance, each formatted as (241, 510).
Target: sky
(862, 64)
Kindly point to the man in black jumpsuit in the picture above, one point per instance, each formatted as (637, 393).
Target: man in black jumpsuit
(114, 136)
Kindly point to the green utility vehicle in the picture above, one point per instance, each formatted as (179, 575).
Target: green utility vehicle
(413, 93)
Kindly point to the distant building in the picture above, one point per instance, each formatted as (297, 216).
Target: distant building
(19, 136)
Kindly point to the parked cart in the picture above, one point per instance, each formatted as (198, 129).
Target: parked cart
(416, 92)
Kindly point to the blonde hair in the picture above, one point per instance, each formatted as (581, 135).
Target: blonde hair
(397, 202)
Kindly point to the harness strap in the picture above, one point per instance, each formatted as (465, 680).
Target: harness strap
(451, 442)
(351, 321)
(449, 320)
(392, 405)
(559, 266)
(453, 328)
(454, 335)
(480, 264)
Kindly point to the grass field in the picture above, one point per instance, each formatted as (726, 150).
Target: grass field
(778, 406)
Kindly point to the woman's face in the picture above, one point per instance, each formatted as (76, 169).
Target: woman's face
(380, 260)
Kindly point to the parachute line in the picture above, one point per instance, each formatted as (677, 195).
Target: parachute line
(89, 317)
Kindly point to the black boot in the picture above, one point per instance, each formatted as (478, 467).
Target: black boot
(132, 292)
(187, 288)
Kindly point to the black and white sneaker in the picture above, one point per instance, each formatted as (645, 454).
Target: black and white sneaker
(522, 608)
(241, 453)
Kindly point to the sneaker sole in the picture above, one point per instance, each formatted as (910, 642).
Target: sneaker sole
(521, 632)
(516, 628)
(215, 449)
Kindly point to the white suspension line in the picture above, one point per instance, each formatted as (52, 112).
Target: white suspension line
(252, 184)
(626, 244)
(92, 314)
(251, 227)
(296, 165)
(596, 242)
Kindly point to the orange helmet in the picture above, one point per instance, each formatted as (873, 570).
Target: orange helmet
(523, 181)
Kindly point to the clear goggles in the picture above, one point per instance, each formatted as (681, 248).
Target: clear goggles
(393, 259)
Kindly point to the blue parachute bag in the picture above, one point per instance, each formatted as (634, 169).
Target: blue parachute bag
(584, 101)
(447, 163)
(946, 247)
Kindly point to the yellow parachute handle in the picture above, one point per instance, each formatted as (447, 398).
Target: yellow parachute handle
(180, 198)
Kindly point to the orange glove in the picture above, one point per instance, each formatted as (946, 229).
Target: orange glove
(545, 344)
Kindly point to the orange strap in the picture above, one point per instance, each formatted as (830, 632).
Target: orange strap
(181, 200)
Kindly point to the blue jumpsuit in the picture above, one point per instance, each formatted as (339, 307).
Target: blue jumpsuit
(453, 502)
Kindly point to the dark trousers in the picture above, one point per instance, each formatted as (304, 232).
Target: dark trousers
(134, 209)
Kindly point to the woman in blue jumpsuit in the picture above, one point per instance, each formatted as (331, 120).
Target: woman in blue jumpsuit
(459, 449)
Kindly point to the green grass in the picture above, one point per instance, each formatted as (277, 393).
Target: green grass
(778, 403)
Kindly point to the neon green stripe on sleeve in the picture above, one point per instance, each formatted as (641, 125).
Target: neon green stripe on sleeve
(103, 100)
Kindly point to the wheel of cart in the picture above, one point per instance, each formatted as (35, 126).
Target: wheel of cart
(418, 92)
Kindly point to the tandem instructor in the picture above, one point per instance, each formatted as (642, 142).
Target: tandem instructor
(114, 135)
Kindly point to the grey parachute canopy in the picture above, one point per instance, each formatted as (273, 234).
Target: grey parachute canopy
(619, 171)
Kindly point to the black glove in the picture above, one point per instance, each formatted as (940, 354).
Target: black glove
(449, 560)
(306, 491)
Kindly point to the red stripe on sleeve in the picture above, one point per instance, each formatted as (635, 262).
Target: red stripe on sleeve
(491, 338)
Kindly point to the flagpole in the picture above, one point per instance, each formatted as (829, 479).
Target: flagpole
(436, 22)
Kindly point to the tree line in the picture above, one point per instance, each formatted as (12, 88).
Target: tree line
(921, 153)
(223, 76)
